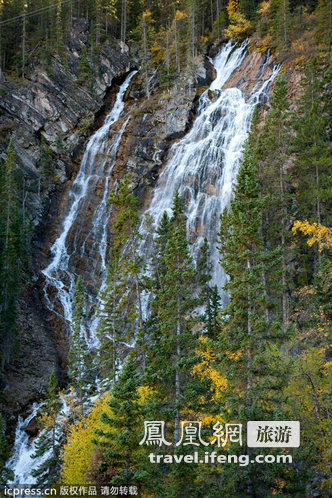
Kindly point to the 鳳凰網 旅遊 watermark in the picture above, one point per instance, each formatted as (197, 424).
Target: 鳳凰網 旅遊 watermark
(260, 434)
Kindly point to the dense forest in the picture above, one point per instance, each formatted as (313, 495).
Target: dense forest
(261, 353)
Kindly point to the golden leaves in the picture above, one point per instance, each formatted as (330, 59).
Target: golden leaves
(78, 450)
(238, 24)
(318, 233)
(205, 369)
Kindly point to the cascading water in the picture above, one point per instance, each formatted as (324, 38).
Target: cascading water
(94, 174)
(203, 165)
(22, 463)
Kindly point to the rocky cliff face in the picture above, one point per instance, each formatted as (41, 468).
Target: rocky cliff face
(51, 110)
(52, 104)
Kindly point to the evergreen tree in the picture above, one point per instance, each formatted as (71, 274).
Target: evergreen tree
(84, 68)
(46, 161)
(48, 444)
(249, 343)
(116, 317)
(121, 463)
(11, 255)
(126, 241)
(171, 349)
(174, 304)
(78, 357)
(312, 147)
(5, 474)
(209, 296)
(280, 13)
(272, 151)
(121, 301)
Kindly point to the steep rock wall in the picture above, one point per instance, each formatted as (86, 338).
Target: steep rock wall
(50, 104)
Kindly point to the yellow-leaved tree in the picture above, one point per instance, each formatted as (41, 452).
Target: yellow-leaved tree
(309, 389)
(208, 406)
(238, 24)
(79, 449)
(318, 234)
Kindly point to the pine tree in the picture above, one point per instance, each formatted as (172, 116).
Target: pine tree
(5, 474)
(84, 68)
(121, 463)
(121, 301)
(209, 296)
(78, 357)
(116, 316)
(273, 151)
(11, 255)
(311, 146)
(46, 161)
(174, 303)
(249, 344)
(126, 241)
(280, 12)
(171, 347)
(48, 444)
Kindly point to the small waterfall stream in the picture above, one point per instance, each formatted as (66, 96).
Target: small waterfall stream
(94, 173)
(203, 165)
(21, 462)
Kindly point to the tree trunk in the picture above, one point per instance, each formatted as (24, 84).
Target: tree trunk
(249, 401)
(23, 41)
(285, 21)
(177, 374)
(211, 8)
(124, 21)
(283, 246)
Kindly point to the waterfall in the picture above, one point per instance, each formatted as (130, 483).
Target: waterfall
(203, 165)
(21, 463)
(94, 175)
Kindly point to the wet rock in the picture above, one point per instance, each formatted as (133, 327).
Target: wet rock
(254, 68)
(32, 428)
(54, 104)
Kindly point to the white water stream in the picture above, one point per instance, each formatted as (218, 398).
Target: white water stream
(21, 462)
(95, 170)
(202, 166)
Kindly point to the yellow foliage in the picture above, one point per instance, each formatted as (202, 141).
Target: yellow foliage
(144, 392)
(238, 24)
(234, 356)
(47, 420)
(179, 15)
(79, 447)
(318, 233)
(309, 389)
(205, 370)
(147, 15)
(264, 9)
